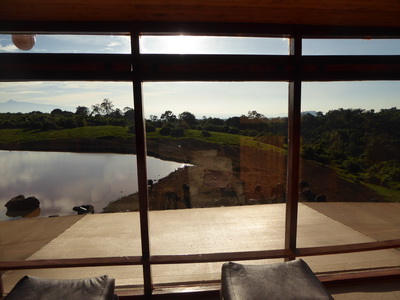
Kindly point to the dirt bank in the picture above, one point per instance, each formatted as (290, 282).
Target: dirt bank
(220, 175)
(225, 176)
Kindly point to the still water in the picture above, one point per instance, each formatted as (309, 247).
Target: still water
(63, 180)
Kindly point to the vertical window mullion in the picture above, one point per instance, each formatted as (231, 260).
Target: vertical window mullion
(293, 164)
(141, 151)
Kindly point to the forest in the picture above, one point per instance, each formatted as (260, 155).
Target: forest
(363, 145)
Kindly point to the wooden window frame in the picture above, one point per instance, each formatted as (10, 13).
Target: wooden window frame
(138, 68)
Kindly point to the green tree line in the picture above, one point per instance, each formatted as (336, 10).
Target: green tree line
(361, 143)
(98, 115)
(253, 124)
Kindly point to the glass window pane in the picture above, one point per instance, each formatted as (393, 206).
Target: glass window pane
(350, 164)
(186, 44)
(196, 273)
(232, 138)
(65, 43)
(351, 46)
(67, 153)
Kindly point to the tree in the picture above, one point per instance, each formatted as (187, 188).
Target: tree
(96, 109)
(255, 115)
(107, 106)
(129, 114)
(168, 116)
(82, 111)
(117, 114)
(188, 118)
(165, 130)
(56, 111)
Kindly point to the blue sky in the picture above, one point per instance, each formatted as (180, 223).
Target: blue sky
(216, 99)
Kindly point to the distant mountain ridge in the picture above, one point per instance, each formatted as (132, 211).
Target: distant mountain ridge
(13, 106)
(311, 112)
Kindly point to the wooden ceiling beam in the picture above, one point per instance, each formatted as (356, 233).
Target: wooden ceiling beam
(384, 13)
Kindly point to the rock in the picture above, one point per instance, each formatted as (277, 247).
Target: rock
(22, 203)
(84, 209)
(23, 213)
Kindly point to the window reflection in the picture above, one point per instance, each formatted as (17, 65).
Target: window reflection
(351, 153)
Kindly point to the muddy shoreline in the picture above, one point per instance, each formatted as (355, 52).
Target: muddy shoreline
(166, 149)
(221, 174)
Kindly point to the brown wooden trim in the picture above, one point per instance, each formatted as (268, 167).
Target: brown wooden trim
(197, 28)
(370, 246)
(359, 277)
(219, 257)
(70, 263)
(175, 67)
(197, 258)
(117, 67)
(47, 66)
(350, 67)
(1, 285)
(206, 290)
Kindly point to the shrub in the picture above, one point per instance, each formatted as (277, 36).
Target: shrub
(165, 130)
(178, 131)
(118, 122)
(205, 133)
(131, 129)
(352, 166)
(150, 128)
(234, 130)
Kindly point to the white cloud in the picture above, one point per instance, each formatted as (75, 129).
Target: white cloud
(8, 48)
(68, 93)
(114, 44)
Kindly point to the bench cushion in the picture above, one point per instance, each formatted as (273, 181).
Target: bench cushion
(96, 288)
(288, 280)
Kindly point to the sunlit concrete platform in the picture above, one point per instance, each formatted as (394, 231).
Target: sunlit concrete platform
(206, 230)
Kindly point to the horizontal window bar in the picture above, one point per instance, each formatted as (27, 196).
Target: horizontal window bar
(326, 250)
(216, 67)
(117, 67)
(70, 263)
(197, 258)
(25, 66)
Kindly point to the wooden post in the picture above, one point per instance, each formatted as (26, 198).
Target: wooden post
(141, 153)
(293, 163)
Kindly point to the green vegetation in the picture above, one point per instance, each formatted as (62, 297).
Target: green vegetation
(11, 136)
(388, 194)
(361, 145)
(101, 115)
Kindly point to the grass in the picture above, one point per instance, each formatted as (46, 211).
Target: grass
(15, 136)
(221, 138)
(10, 136)
(389, 194)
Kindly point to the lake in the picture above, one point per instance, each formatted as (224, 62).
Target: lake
(63, 180)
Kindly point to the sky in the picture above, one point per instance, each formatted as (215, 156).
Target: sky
(210, 99)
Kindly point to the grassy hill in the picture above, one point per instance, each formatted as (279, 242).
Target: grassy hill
(250, 156)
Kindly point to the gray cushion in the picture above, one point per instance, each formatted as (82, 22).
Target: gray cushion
(288, 280)
(34, 288)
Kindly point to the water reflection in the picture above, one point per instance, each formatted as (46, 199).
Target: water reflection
(23, 213)
(62, 181)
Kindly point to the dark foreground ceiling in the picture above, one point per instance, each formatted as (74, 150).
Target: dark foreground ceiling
(381, 13)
